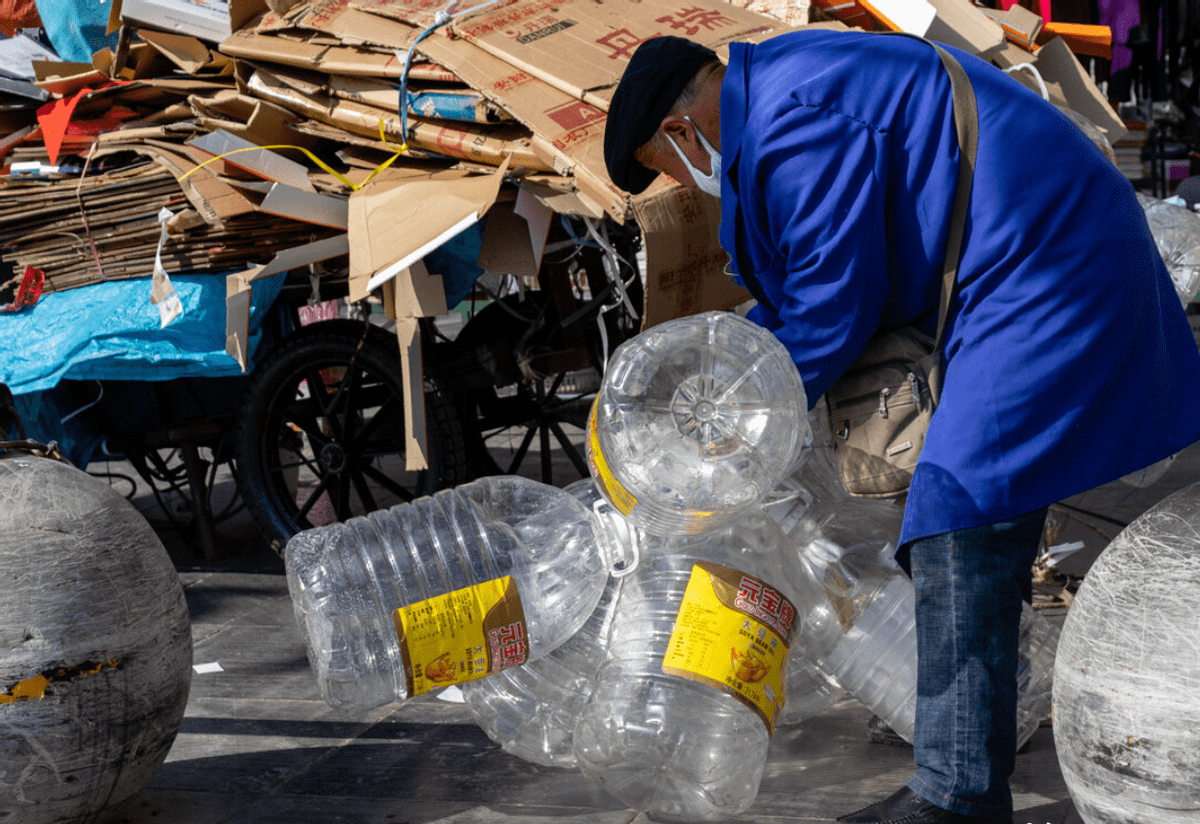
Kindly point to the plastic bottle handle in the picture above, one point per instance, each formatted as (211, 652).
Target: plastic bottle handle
(627, 538)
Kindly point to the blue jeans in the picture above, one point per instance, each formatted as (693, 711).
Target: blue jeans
(970, 585)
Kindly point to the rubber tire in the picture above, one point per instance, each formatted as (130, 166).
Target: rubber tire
(330, 344)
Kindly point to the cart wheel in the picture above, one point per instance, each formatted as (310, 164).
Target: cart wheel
(518, 424)
(320, 437)
(500, 428)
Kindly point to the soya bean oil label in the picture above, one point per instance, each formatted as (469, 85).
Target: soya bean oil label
(462, 635)
(733, 632)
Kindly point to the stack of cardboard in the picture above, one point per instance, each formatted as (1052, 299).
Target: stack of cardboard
(365, 133)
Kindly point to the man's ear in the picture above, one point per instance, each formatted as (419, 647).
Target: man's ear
(679, 129)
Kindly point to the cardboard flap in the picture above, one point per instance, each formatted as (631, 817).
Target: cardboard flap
(685, 264)
(1058, 64)
(960, 23)
(396, 221)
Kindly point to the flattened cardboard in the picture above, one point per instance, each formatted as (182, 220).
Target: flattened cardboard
(568, 132)
(252, 158)
(214, 199)
(515, 235)
(250, 118)
(505, 243)
(188, 53)
(448, 104)
(1059, 65)
(417, 293)
(343, 22)
(1011, 55)
(960, 23)
(481, 143)
(581, 46)
(912, 16)
(237, 315)
(394, 221)
(248, 44)
(306, 206)
(685, 264)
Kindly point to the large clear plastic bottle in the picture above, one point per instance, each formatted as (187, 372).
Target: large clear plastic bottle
(684, 705)
(859, 626)
(810, 690)
(449, 588)
(696, 421)
(531, 710)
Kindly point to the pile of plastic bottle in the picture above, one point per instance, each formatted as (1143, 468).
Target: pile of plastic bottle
(653, 624)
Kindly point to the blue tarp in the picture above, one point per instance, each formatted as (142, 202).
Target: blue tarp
(76, 28)
(111, 331)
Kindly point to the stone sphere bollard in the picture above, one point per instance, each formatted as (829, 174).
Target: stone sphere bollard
(1127, 675)
(95, 645)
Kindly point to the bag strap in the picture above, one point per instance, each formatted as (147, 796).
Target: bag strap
(966, 123)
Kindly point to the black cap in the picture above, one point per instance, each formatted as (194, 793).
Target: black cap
(656, 74)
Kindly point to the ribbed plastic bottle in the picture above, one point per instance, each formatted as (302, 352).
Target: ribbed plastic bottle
(864, 634)
(696, 420)
(859, 625)
(686, 700)
(810, 690)
(531, 710)
(446, 589)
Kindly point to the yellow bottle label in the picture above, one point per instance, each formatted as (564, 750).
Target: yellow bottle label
(462, 635)
(733, 632)
(621, 498)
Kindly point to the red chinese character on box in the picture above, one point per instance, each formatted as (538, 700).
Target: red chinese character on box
(691, 21)
(622, 42)
(749, 593)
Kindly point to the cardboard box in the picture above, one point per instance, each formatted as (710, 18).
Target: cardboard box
(685, 264)
(205, 19)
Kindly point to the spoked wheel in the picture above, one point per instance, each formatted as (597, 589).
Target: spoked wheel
(517, 430)
(524, 379)
(321, 435)
(514, 421)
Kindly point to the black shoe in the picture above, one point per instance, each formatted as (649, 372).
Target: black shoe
(906, 807)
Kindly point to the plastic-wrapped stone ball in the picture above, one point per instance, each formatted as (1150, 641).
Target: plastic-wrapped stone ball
(1127, 675)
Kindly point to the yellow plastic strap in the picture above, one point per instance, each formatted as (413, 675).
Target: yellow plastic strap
(354, 186)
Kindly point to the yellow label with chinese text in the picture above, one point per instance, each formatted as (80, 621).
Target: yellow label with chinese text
(621, 498)
(462, 635)
(733, 632)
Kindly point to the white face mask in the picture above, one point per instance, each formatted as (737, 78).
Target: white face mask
(708, 183)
